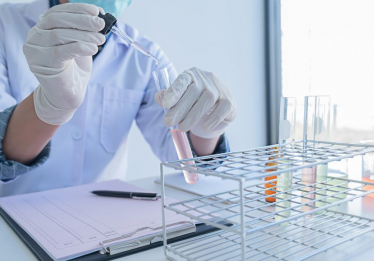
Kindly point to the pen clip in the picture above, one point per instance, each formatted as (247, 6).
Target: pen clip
(146, 198)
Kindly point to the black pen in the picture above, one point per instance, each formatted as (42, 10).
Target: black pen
(125, 194)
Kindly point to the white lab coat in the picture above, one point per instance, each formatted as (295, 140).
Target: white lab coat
(121, 90)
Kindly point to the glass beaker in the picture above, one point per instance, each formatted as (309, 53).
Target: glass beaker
(181, 143)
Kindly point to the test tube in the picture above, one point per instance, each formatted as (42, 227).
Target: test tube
(180, 139)
(287, 123)
(308, 179)
(284, 185)
(270, 186)
(316, 118)
(316, 128)
(322, 133)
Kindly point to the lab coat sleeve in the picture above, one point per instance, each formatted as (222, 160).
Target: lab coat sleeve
(9, 169)
(6, 98)
(150, 120)
(221, 147)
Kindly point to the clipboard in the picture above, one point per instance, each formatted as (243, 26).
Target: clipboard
(115, 250)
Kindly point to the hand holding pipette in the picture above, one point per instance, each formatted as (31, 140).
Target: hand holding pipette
(59, 50)
(110, 26)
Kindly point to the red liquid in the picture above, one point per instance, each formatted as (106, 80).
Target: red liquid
(308, 177)
(184, 152)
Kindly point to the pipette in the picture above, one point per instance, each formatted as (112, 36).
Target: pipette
(110, 26)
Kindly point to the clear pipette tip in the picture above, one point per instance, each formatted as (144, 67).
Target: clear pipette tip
(133, 43)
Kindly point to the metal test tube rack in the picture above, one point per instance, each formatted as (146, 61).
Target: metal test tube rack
(262, 230)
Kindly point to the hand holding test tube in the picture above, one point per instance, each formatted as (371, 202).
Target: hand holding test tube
(180, 140)
(199, 102)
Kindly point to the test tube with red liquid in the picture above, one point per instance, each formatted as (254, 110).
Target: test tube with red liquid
(316, 128)
(180, 139)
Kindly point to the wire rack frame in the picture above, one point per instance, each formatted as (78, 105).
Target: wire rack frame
(261, 214)
(301, 239)
(246, 208)
(256, 163)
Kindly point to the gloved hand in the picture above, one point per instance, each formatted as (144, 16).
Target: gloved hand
(59, 51)
(199, 102)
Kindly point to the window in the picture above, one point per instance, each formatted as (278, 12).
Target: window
(328, 49)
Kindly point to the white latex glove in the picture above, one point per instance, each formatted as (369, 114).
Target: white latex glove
(199, 102)
(59, 51)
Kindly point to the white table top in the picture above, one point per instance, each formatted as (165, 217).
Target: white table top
(360, 248)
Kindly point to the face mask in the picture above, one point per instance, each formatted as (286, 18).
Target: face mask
(115, 7)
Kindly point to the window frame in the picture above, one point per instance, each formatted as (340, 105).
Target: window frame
(273, 67)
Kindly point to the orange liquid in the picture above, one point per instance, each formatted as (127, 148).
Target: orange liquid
(368, 187)
(184, 152)
(271, 185)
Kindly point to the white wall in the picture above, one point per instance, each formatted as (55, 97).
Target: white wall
(225, 37)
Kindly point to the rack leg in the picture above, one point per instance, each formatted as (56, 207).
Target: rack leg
(242, 217)
(163, 210)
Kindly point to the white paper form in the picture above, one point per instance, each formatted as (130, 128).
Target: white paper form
(71, 222)
(208, 185)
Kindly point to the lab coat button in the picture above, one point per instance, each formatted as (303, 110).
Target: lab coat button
(77, 134)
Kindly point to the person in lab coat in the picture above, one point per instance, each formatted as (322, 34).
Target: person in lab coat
(68, 96)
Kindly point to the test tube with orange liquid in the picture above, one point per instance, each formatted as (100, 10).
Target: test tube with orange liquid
(287, 122)
(271, 186)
